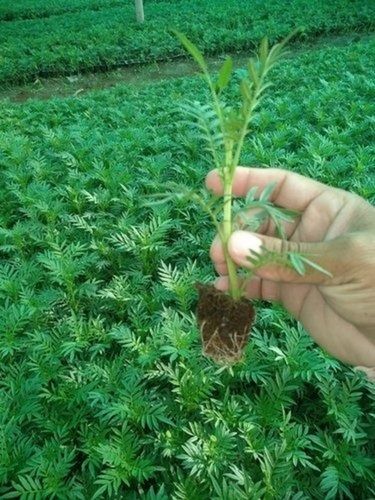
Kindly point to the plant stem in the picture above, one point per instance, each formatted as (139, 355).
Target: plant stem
(227, 178)
(234, 287)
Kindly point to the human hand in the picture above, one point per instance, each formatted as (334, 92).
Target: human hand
(337, 229)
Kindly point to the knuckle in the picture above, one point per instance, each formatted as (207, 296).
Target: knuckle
(287, 246)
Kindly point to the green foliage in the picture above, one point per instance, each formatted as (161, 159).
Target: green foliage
(26, 9)
(68, 43)
(103, 389)
(224, 128)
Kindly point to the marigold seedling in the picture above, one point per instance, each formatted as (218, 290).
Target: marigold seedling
(225, 319)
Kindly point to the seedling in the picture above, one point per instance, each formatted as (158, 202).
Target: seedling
(225, 319)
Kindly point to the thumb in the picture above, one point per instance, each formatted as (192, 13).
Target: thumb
(329, 255)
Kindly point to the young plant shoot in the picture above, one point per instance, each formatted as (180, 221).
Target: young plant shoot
(225, 319)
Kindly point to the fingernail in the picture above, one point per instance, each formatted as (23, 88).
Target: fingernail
(242, 245)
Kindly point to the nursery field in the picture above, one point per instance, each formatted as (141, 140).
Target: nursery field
(106, 35)
(104, 391)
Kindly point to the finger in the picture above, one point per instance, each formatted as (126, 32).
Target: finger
(222, 283)
(292, 191)
(329, 255)
(262, 226)
(369, 372)
(217, 256)
(254, 288)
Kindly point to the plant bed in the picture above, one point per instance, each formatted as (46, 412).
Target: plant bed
(104, 390)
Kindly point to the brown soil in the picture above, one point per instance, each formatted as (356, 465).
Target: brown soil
(224, 324)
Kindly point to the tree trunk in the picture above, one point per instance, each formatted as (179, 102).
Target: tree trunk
(139, 11)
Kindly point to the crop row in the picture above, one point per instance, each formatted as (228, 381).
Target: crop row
(33, 9)
(104, 391)
(88, 41)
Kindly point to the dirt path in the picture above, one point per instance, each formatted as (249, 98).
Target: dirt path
(77, 85)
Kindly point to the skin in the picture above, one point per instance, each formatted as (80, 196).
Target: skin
(337, 230)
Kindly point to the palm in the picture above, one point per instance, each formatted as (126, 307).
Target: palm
(318, 307)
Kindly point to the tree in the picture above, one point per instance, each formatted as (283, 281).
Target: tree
(139, 11)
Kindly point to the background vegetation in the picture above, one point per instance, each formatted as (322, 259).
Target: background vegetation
(106, 35)
(104, 392)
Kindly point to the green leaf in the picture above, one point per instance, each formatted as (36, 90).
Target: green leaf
(28, 487)
(251, 194)
(297, 263)
(193, 50)
(285, 41)
(225, 74)
(245, 91)
(267, 192)
(278, 49)
(316, 266)
(263, 50)
(253, 71)
(330, 482)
